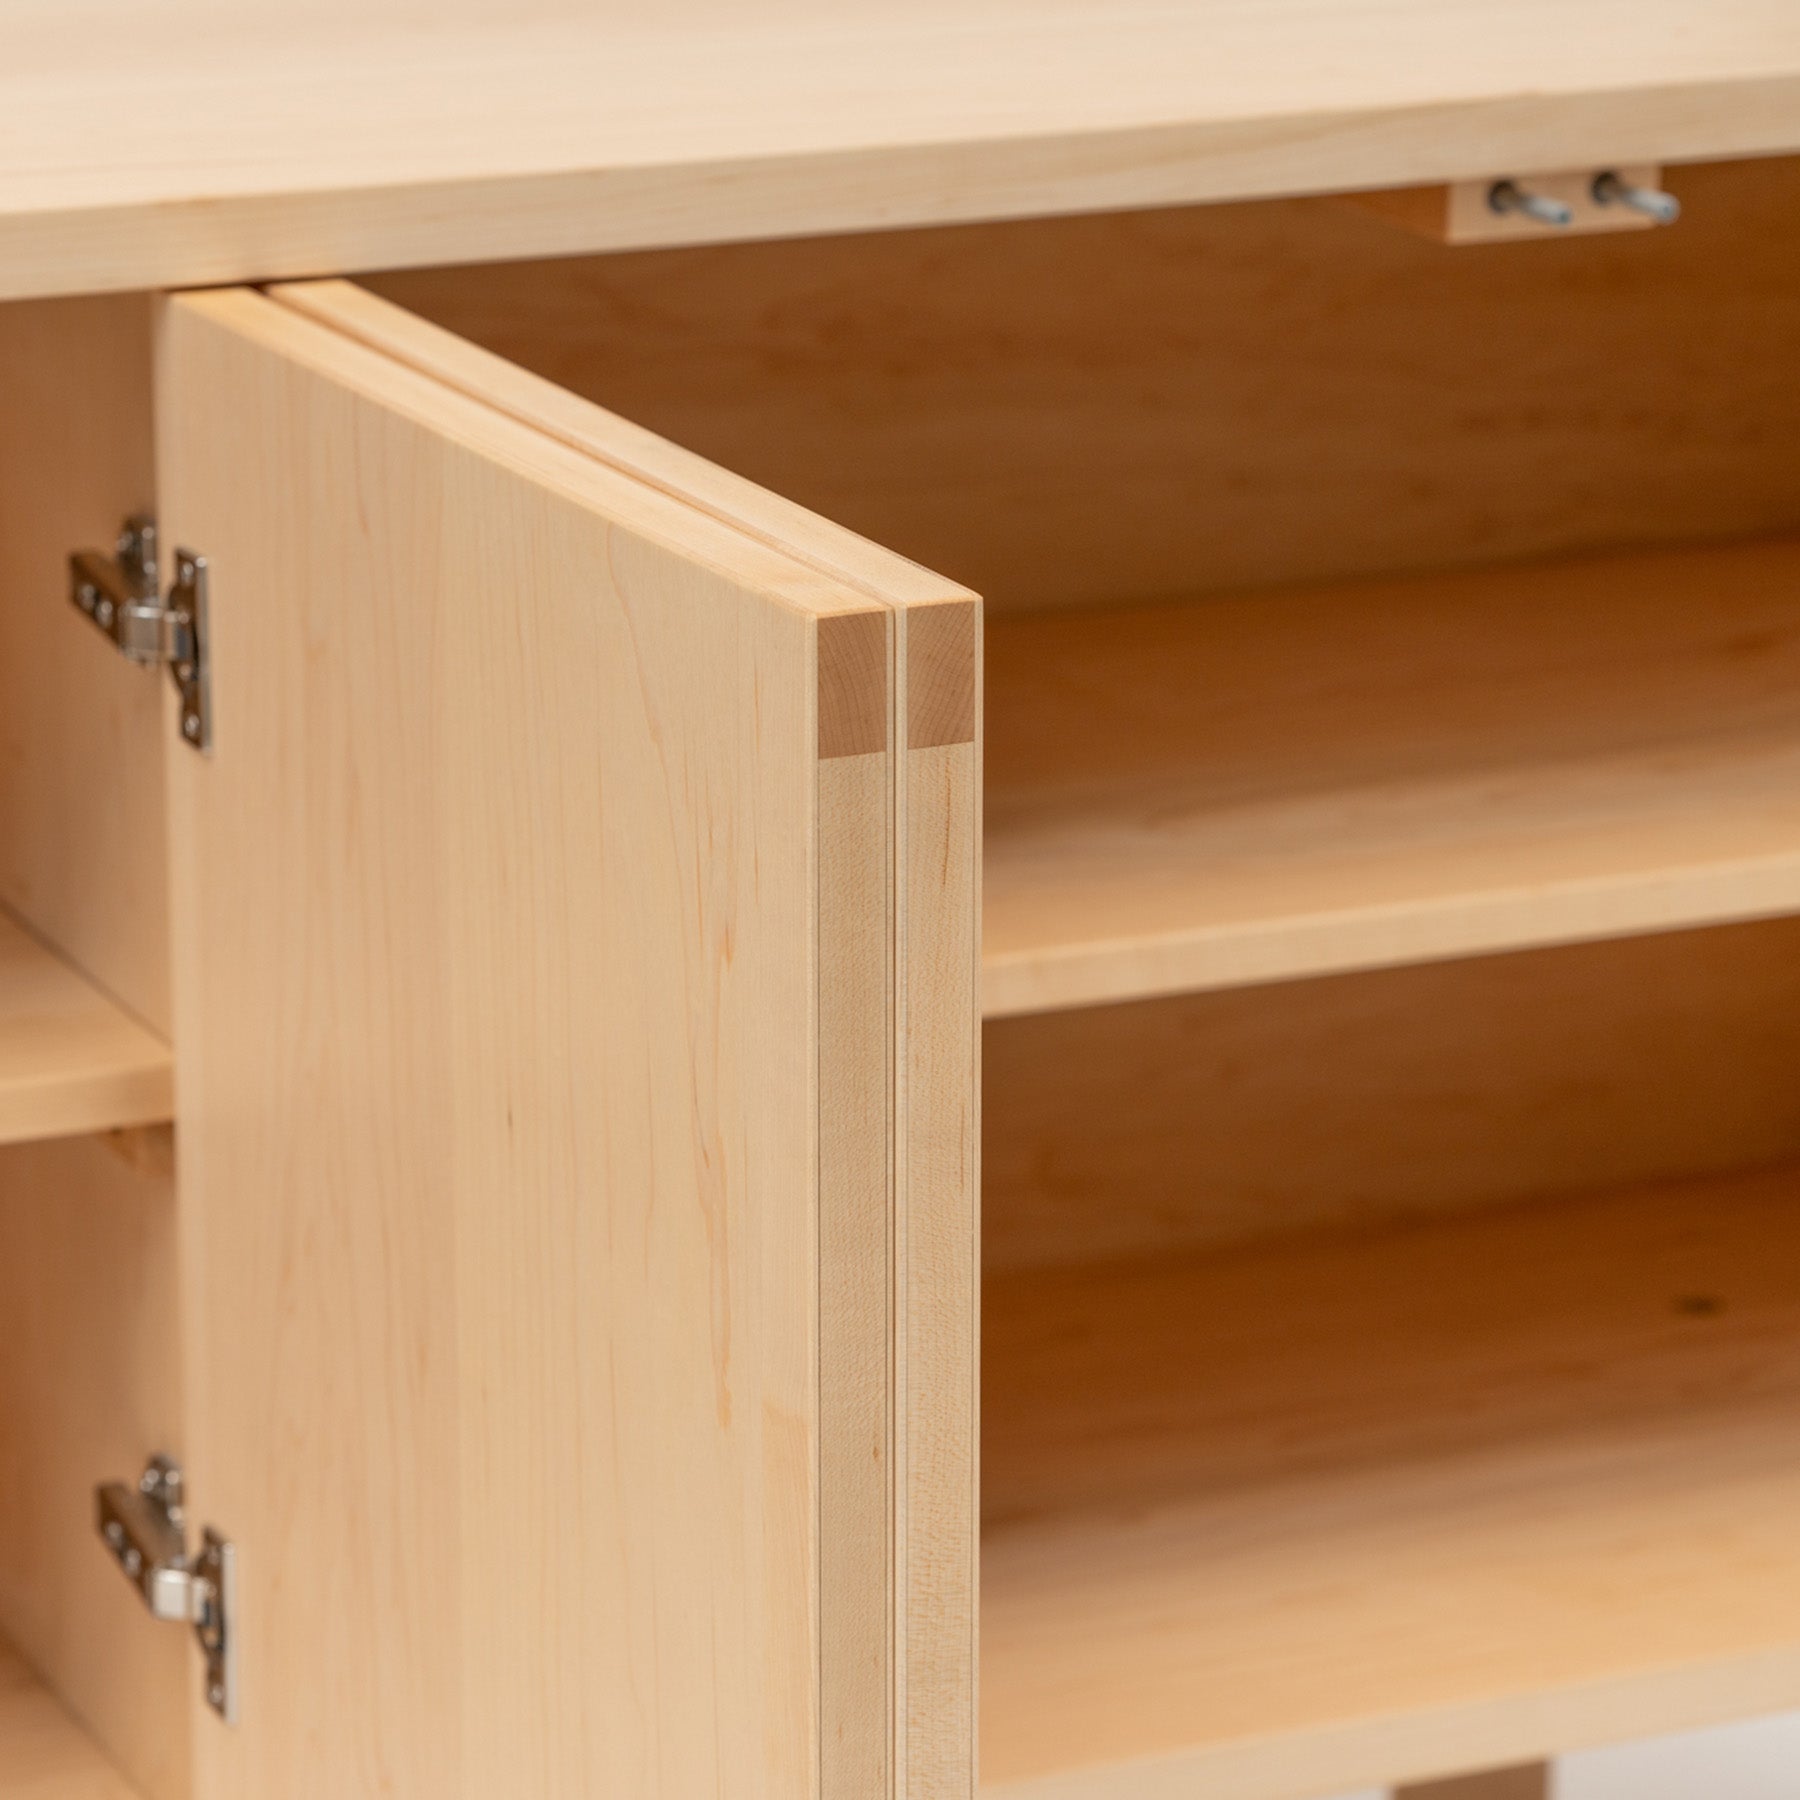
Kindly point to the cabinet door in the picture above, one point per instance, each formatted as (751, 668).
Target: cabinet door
(546, 1150)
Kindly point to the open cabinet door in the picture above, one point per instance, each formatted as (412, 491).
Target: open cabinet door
(538, 948)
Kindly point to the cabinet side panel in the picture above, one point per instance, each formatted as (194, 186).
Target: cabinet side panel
(89, 1372)
(81, 774)
(497, 986)
(89, 1389)
(938, 1218)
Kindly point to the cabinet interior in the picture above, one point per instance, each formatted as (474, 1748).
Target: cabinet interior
(89, 1376)
(1392, 723)
(1390, 956)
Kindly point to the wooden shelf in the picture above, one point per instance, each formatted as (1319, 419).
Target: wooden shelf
(1267, 786)
(43, 1754)
(297, 140)
(70, 1059)
(1307, 1518)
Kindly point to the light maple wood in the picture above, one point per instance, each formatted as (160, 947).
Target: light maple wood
(414, 339)
(557, 1164)
(43, 1754)
(698, 911)
(1314, 1517)
(290, 140)
(937, 1543)
(935, 860)
(1377, 1098)
(71, 1060)
(1113, 409)
(81, 795)
(855, 1282)
(90, 1384)
(90, 1387)
(1273, 786)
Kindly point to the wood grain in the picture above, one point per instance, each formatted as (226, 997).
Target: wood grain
(81, 786)
(294, 140)
(938, 1269)
(1320, 1516)
(856, 1299)
(939, 1257)
(1272, 786)
(941, 697)
(43, 1755)
(71, 1060)
(854, 678)
(607, 1167)
(1132, 406)
(537, 1131)
(90, 1388)
(933, 1058)
(1355, 1100)
(90, 1380)
(411, 338)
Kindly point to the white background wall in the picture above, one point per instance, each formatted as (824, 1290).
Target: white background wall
(1760, 1761)
(1737, 1762)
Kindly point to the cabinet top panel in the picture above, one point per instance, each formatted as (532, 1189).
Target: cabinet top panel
(155, 144)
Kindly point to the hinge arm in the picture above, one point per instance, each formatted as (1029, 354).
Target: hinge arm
(145, 1528)
(120, 595)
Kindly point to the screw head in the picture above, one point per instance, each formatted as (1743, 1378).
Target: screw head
(190, 727)
(103, 611)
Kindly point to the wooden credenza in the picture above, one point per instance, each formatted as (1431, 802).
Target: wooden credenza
(729, 1171)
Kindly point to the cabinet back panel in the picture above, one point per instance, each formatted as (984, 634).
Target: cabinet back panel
(1131, 1130)
(1130, 406)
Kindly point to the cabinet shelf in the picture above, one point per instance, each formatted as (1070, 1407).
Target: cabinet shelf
(70, 1059)
(1268, 786)
(43, 1753)
(1303, 1518)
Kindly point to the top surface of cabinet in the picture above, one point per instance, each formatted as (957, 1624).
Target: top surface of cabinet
(171, 144)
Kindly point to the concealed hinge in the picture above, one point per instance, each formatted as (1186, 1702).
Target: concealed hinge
(120, 594)
(146, 1530)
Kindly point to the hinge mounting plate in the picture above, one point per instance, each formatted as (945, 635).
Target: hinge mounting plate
(145, 1528)
(120, 595)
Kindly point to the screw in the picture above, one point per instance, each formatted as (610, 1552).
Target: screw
(103, 613)
(190, 727)
(86, 595)
(216, 1694)
(133, 1562)
(1611, 189)
(1509, 197)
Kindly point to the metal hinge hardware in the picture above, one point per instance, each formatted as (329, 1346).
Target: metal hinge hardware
(145, 1528)
(120, 594)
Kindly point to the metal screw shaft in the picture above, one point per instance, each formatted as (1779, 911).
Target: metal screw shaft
(1509, 197)
(1611, 189)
